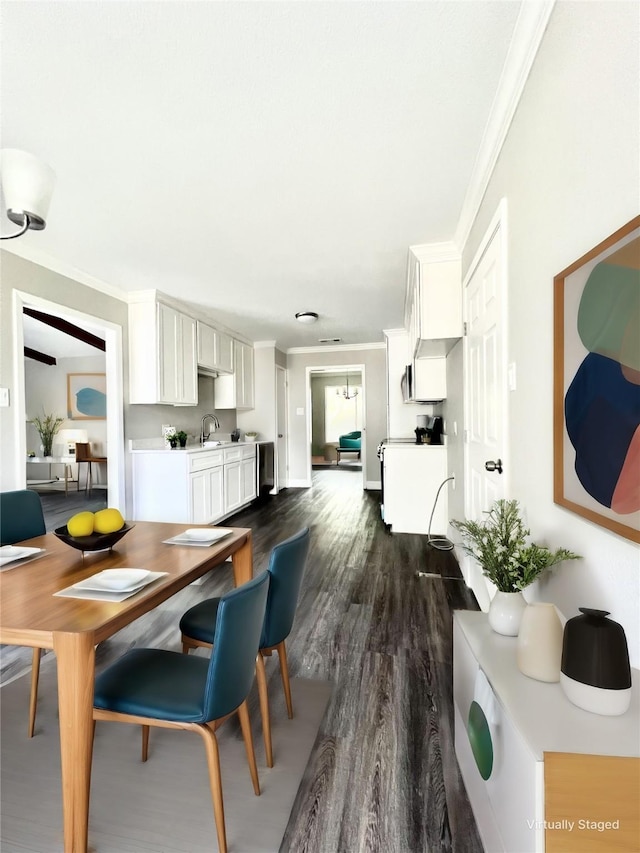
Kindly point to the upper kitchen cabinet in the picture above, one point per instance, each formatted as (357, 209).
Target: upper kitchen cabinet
(162, 352)
(215, 350)
(433, 305)
(237, 391)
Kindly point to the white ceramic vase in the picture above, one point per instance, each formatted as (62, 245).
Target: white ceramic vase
(539, 649)
(505, 612)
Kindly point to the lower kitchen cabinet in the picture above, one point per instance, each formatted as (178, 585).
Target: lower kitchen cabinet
(555, 778)
(192, 486)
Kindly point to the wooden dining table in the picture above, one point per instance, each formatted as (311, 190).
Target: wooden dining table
(31, 615)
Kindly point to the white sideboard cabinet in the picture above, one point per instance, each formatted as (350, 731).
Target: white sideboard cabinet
(563, 780)
(162, 353)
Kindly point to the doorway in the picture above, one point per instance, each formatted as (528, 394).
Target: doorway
(486, 401)
(335, 409)
(112, 334)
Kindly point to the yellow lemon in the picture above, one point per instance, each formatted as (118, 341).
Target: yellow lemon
(80, 524)
(107, 520)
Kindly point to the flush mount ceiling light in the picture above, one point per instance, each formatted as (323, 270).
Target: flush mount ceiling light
(306, 316)
(27, 186)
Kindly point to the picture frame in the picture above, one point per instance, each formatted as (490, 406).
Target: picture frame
(596, 381)
(86, 396)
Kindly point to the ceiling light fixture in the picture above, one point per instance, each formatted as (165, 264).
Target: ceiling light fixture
(347, 393)
(27, 186)
(306, 316)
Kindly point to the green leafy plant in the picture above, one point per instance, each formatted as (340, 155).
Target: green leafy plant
(182, 436)
(502, 548)
(47, 426)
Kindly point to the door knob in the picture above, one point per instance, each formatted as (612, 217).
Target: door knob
(494, 466)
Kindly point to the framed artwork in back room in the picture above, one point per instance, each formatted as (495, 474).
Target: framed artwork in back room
(596, 405)
(86, 396)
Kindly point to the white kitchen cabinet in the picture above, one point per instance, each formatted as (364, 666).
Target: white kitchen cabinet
(412, 474)
(433, 303)
(430, 379)
(178, 485)
(239, 476)
(554, 766)
(162, 353)
(237, 390)
(215, 349)
(193, 486)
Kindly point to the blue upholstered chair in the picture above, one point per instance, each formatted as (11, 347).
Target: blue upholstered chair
(21, 518)
(156, 687)
(286, 567)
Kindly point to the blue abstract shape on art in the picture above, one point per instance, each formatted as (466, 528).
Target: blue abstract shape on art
(91, 403)
(602, 411)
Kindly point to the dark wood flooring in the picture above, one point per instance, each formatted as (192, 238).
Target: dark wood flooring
(382, 776)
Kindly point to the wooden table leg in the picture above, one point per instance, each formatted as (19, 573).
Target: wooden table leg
(243, 562)
(76, 668)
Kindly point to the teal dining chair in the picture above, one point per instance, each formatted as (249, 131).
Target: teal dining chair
(156, 687)
(286, 567)
(21, 517)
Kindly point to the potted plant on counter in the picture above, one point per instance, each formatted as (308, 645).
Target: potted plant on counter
(501, 546)
(182, 438)
(172, 438)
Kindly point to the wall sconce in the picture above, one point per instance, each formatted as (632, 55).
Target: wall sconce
(27, 186)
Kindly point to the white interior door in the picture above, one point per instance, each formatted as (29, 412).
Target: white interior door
(281, 429)
(486, 468)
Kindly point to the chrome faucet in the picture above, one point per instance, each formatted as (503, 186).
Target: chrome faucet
(216, 425)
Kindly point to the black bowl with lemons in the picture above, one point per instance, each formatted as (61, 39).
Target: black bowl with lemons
(103, 536)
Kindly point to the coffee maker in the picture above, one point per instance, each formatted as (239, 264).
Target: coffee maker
(421, 429)
(429, 429)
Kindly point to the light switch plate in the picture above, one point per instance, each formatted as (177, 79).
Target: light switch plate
(300, 410)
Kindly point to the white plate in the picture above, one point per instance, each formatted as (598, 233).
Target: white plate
(115, 580)
(9, 553)
(201, 535)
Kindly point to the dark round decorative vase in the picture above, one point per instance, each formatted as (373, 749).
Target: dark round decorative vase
(595, 672)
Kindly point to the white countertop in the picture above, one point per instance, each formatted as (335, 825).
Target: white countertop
(193, 448)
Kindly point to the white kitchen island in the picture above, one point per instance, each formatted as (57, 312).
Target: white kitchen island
(411, 476)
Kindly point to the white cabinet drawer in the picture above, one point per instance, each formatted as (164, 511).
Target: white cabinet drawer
(232, 454)
(248, 451)
(200, 461)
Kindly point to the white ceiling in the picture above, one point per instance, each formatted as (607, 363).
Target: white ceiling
(253, 158)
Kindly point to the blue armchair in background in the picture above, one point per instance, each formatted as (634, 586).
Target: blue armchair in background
(350, 442)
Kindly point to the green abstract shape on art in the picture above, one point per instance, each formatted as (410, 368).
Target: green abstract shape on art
(609, 313)
(480, 740)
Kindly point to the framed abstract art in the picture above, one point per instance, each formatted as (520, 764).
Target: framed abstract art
(86, 396)
(597, 384)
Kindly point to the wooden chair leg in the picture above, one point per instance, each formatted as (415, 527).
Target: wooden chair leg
(245, 725)
(215, 781)
(145, 742)
(33, 699)
(284, 674)
(261, 677)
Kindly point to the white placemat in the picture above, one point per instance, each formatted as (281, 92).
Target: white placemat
(99, 595)
(26, 554)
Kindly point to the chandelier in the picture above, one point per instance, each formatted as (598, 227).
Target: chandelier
(347, 393)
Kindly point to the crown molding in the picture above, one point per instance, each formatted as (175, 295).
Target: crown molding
(341, 348)
(264, 344)
(527, 35)
(394, 333)
(435, 252)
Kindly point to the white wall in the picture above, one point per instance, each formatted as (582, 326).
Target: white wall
(569, 170)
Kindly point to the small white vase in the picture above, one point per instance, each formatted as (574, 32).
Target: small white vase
(539, 649)
(505, 612)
